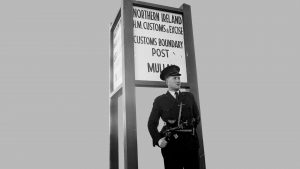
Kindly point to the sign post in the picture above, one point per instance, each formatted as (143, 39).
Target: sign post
(145, 38)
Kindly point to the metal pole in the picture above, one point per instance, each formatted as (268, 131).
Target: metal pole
(192, 71)
(130, 152)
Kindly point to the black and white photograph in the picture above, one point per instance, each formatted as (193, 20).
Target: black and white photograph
(126, 84)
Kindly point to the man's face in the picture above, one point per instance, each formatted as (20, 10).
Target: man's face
(173, 82)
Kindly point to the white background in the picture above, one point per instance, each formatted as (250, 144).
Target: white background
(54, 82)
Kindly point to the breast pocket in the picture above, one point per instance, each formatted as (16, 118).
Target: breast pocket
(165, 113)
(169, 113)
(187, 111)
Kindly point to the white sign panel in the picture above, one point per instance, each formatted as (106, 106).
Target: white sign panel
(117, 55)
(158, 42)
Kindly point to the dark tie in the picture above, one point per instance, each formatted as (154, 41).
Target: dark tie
(176, 95)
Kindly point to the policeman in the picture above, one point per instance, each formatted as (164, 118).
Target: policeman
(179, 111)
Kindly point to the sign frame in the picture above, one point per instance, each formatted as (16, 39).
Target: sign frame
(150, 64)
(143, 83)
(113, 103)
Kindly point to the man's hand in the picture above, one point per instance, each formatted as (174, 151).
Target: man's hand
(162, 143)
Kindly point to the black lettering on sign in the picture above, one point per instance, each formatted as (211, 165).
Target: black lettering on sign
(145, 40)
(154, 26)
(145, 14)
(170, 43)
(176, 30)
(160, 52)
(171, 19)
(137, 24)
(156, 67)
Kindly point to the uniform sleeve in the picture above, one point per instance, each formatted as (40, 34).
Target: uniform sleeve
(196, 113)
(153, 122)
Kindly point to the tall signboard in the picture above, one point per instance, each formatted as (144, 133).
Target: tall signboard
(158, 42)
(117, 55)
(144, 39)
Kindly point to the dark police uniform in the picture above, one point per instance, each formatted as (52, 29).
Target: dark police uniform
(183, 147)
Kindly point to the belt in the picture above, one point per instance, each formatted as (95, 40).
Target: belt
(185, 130)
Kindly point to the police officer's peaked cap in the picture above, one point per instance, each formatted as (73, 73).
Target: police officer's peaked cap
(172, 70)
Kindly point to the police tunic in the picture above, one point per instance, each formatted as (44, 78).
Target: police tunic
(182, 151)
